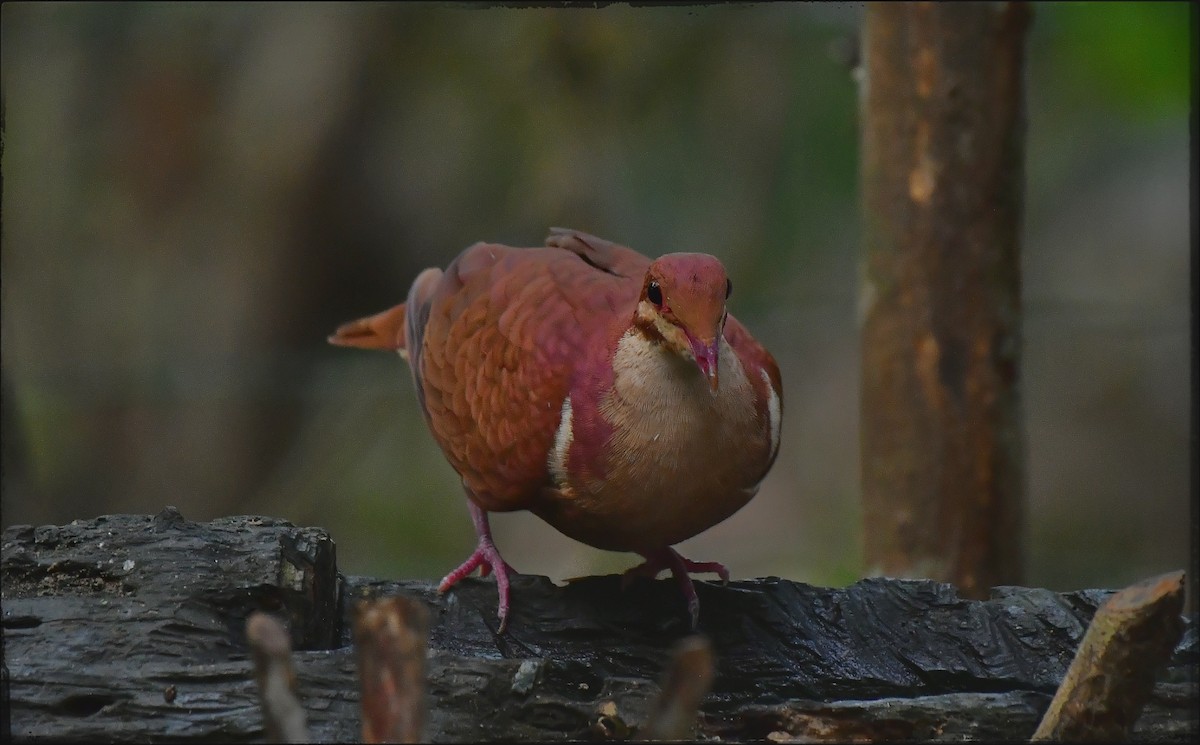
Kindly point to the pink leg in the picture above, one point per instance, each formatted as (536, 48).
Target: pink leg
(487, 559)
(669, 558)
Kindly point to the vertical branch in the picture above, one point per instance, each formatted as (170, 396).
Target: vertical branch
(686, 682)
(390, 635)
(942, 178)
(271, 646)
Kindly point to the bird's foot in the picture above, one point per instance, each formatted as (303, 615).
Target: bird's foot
(668, 558)
(487, 560)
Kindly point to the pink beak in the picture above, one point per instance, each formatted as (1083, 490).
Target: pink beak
(706, 354)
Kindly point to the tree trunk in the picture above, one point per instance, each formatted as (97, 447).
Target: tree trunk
(942, 178)
(129, 628)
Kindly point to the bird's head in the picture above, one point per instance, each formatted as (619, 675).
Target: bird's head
(682, 306)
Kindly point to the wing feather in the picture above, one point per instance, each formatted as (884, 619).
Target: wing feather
(504, 330)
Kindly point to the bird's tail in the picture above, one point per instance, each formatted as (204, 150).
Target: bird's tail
(397, 329)
(384, 330)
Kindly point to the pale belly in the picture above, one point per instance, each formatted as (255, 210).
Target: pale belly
(681, 458)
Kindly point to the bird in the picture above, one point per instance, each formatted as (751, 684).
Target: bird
(611, 395)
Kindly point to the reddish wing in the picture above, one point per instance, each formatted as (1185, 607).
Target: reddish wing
(504, 331)
(605, 255)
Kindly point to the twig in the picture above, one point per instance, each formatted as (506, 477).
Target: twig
(1131, 636)
(390, 636)
(283, 716)
(687, 680)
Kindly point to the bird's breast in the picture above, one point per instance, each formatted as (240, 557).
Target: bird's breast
(677, 457)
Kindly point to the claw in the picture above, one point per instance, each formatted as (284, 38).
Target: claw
(707, 567)
(668, 558)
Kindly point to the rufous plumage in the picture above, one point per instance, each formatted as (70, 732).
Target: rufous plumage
(611, 395)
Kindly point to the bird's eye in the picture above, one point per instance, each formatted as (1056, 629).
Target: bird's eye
(654, 293)
(728, 288)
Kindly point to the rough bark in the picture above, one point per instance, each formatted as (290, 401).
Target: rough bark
(132, 628)
(391, 635)
(942, 179)
(1130, 637)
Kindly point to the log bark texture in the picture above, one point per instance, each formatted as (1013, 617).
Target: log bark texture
(132, 628)
(942, 178)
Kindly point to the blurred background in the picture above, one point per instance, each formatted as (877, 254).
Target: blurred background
(195, 195)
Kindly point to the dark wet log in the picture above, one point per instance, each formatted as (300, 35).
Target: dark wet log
(132, 628)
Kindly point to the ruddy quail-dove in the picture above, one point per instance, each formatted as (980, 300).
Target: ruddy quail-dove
(611, 395)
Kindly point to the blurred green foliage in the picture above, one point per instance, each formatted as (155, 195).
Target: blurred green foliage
(1128, 58)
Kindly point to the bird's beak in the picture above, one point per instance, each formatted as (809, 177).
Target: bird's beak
(706, 353)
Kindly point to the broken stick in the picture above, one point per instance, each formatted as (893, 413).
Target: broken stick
(1131, 636)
